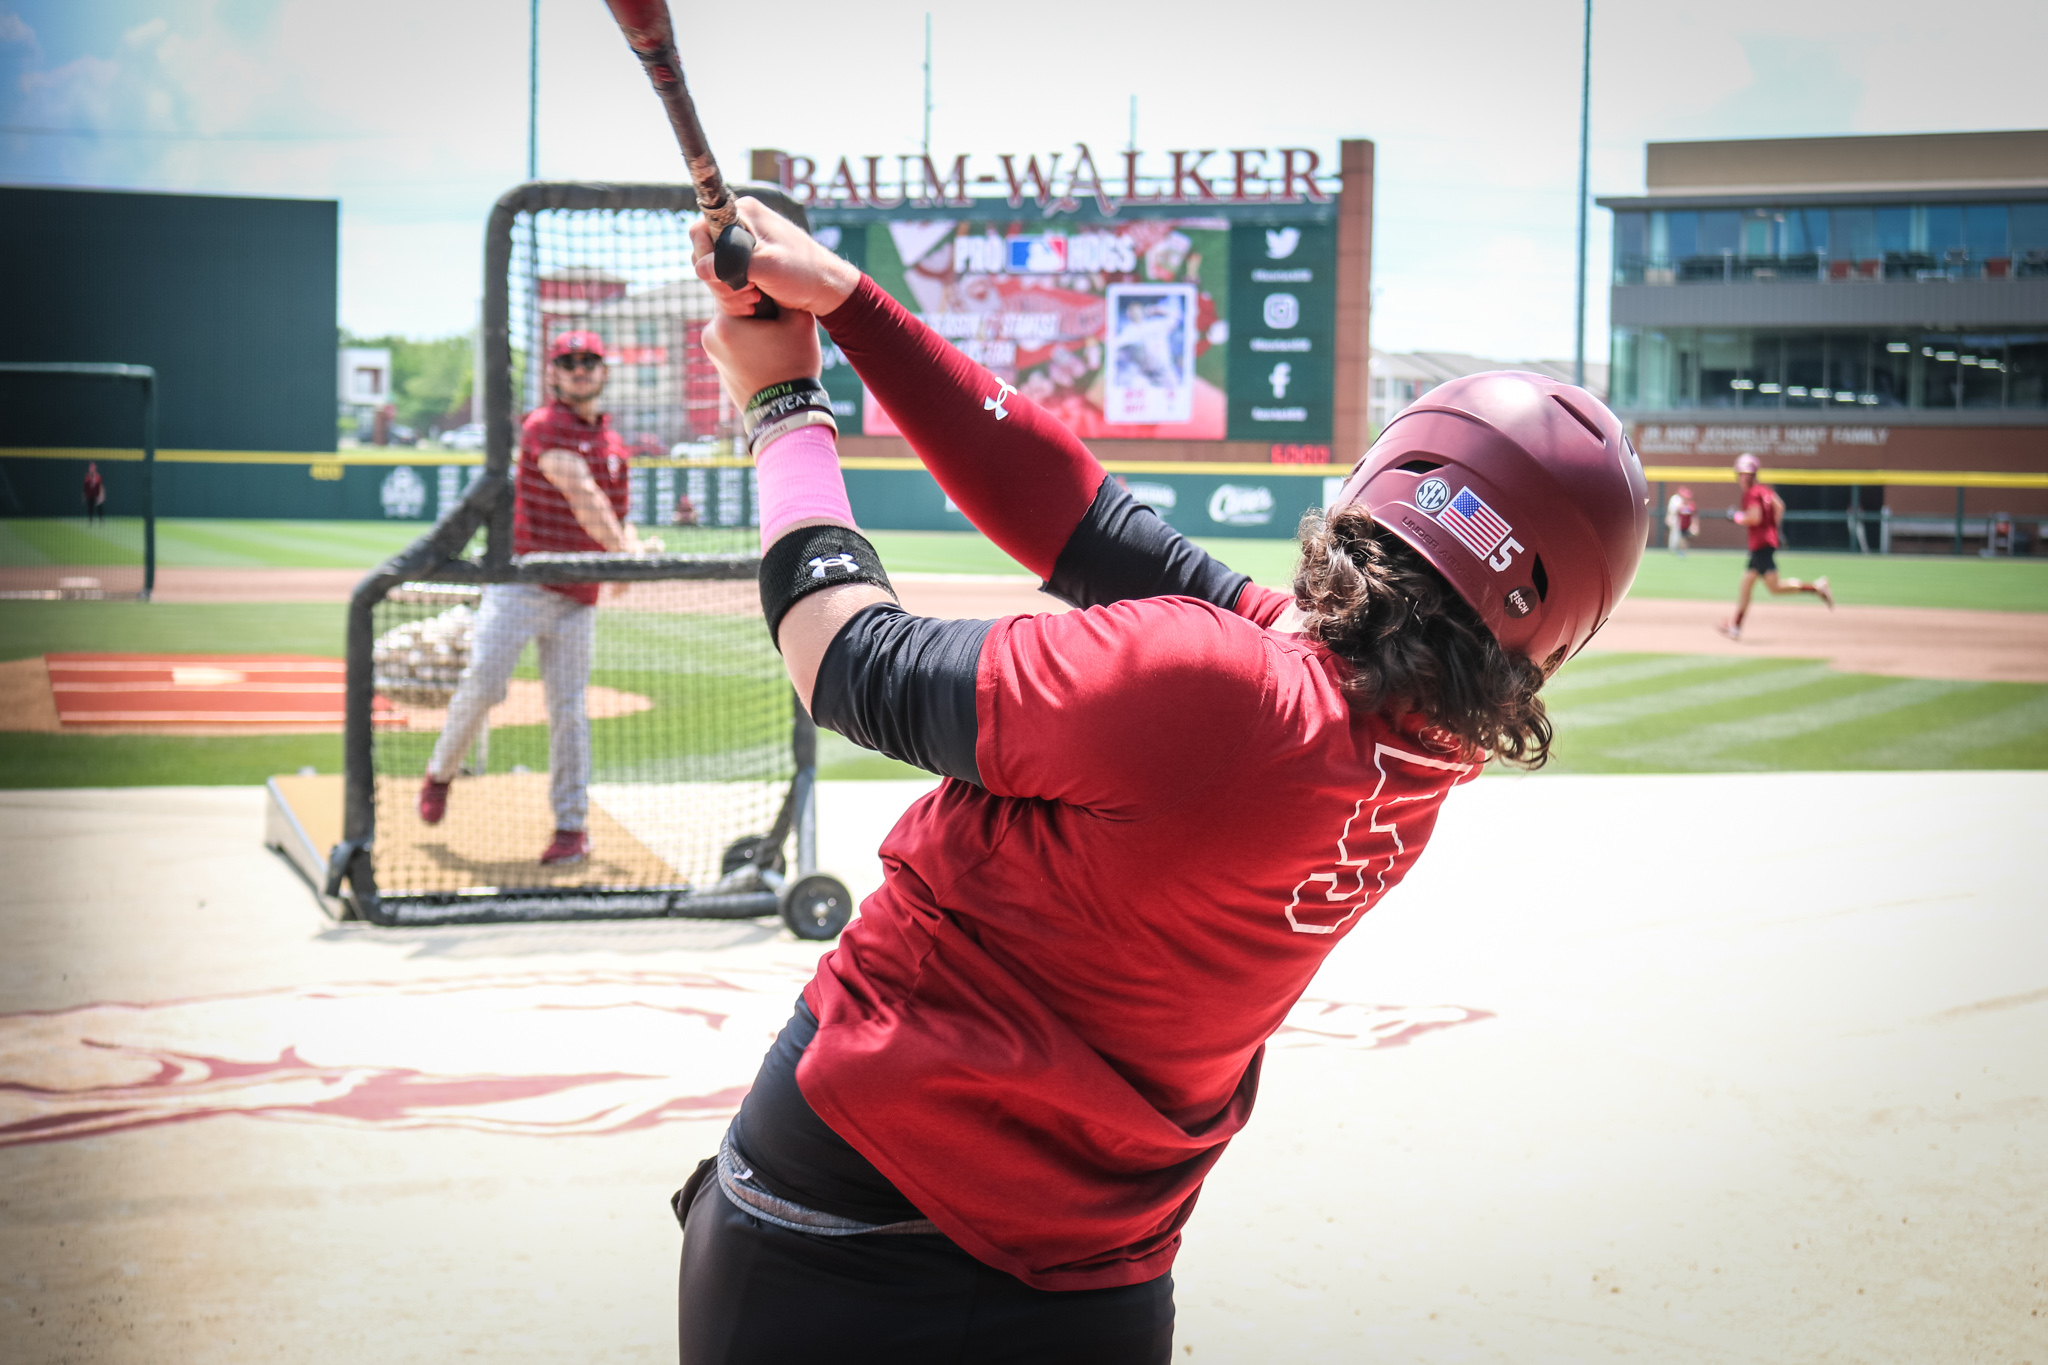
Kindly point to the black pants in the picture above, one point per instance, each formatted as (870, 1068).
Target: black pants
(755, 1292)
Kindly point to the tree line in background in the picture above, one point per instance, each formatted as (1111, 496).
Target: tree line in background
(430, 379)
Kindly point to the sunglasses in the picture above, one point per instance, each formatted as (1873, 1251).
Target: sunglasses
(583, 361)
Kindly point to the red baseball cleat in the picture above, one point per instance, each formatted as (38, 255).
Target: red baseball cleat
(570, 846)
(433, 800)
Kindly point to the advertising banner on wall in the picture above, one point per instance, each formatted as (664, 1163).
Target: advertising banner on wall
(1193, 325)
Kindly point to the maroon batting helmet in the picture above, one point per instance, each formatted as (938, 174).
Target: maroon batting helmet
(1524, 494)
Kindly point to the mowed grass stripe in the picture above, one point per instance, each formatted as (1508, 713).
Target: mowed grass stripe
(1735, 684)
(1983, 738)
(1728, 746)
(1592, 672)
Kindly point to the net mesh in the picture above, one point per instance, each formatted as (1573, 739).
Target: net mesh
(658, 721)
(654, 714)
(624, 278)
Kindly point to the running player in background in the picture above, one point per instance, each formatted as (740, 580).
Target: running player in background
(1681, 520)
(570, 496)
(1763, 511)
(95, 493)
(980, 1135)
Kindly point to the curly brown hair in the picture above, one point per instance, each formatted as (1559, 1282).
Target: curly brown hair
(1413, 644)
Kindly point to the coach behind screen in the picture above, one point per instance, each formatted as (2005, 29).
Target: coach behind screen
(570, 495)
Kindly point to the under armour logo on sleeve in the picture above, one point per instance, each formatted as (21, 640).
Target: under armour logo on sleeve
(826, 565)
(995, 404)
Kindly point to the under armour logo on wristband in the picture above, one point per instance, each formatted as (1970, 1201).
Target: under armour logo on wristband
(995, 404)
(827, 565)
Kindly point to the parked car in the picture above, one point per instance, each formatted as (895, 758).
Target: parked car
(469, 436)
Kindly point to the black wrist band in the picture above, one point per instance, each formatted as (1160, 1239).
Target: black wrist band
(811, 558)
(755, 418)
(787, 388)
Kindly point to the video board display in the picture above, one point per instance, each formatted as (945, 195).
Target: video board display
(1184, 322)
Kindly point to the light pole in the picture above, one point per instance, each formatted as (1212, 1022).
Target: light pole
(533, 90)
(1585, 124)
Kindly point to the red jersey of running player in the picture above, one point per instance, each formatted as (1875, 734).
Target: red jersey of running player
(1764, 534)
(541, 517)
(1048, 1022)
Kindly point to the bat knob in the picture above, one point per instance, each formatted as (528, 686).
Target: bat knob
(731, 254)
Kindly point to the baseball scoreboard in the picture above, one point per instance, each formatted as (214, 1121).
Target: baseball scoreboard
(1183, 322)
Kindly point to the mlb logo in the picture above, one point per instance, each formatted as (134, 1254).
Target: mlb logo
(1042, 253)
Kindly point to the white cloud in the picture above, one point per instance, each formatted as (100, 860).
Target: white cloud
(15, 29)
(144, 33)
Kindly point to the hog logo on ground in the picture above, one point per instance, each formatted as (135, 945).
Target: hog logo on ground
(547, 1054)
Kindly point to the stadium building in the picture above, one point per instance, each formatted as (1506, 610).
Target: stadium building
(1853, 303)
(1401, 377)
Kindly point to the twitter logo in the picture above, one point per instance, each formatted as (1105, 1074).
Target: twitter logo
(1280, 242)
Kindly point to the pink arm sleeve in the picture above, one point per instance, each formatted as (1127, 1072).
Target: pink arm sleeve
(1020, 476)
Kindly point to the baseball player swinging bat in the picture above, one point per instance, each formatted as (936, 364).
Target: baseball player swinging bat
(652, 38)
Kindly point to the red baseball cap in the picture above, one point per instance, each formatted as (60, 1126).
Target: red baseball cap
(577, 343)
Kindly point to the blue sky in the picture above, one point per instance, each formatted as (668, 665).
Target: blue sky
(413, 114)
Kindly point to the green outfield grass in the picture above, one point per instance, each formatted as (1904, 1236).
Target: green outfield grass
(198, 543)
(1615, 713)
(1683, 713)
(1703, 575)
(28, 629)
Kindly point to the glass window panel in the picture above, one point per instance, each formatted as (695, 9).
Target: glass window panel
(1895, 230)
(1980, 371)
(1658, 369)
(1683, 229)
(1725, 380)
(1765, 356)
(1629, 234)
(1944, 228)
(1756, 236)
(1720, 232)
(1891, 369)
(2026, 364)
(1848, 369)
(2029, 228)
(1623, 380)
(1805, 368)
(1806, 231)
(1940, 370)
(1852, 234)
(1984, 229)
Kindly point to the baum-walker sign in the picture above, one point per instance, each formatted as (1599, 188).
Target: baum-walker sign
(1062, 181)
(1190, 297)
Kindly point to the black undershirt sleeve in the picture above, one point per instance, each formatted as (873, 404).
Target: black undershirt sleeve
(1122, 550)
(903, 685)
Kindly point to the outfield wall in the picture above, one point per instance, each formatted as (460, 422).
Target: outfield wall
(1201, 499)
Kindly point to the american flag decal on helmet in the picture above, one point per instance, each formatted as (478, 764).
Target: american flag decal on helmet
(1478, 527)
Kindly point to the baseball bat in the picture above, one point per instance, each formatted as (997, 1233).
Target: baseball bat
(652, 38)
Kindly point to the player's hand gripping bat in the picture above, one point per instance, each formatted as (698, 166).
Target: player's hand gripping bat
(652, 38)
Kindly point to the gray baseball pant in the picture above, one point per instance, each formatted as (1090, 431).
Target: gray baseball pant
(564, 632)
